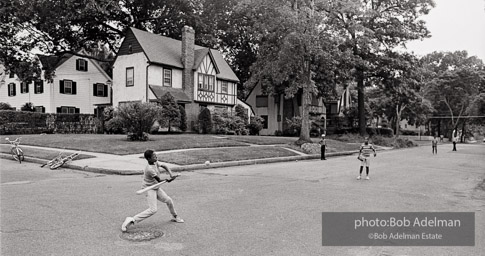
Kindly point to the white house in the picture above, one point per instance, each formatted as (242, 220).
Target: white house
(79, 85)
(148, 66)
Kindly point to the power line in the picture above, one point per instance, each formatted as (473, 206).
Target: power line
(439, 117)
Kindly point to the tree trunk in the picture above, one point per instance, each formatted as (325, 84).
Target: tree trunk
(398, 119)
(361, 102)
(462, 139)
(305, 126)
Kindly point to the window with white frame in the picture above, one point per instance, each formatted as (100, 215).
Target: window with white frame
(100, 90)
(68, 110)
(130, 76)
(67, 87)
(81, 65)
(167, 77)
(11, 89)
(205, 82)
(224, 86)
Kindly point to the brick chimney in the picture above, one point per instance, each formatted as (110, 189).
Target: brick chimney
(188, 41)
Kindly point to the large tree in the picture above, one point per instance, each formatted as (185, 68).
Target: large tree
(400, 90)
(456, 85)
(294, 44)
(370, 28)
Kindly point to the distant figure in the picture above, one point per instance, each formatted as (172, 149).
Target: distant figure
(364, 157)
(323, 144)
(441, 138)
(434, 145)
(454, 139)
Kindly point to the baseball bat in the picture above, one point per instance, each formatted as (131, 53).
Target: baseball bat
(155, 186)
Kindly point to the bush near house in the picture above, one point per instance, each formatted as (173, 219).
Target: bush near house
(205, 121)
(255, 125)
(369, 130)
(408, 132)
(5, 106)
(224, 123)
(28, 106)
(183, 119)
(137, 119)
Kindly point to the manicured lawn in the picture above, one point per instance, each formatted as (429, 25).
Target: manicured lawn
(41, 153)
(222, 155)
(262, 140)
(118, 144)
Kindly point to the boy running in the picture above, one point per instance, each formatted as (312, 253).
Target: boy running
(151, 176)
(364, 154)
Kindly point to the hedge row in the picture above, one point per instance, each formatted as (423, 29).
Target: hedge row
(371, 131)
(21, 122)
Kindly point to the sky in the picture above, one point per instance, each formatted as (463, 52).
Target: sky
(454, 25)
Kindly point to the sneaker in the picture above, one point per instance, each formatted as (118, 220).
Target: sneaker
(128, 222)
(358, 177)
(177, 219)
(367, 178)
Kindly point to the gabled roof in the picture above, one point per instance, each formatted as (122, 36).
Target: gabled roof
(51, 61)
(178, 94)
(167, 51)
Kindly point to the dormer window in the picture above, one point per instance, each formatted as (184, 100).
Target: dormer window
(81, 65)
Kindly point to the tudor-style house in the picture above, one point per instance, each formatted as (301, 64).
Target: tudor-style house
(149, 66)
(79, 85)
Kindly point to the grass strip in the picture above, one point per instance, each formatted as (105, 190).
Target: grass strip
(223, 154)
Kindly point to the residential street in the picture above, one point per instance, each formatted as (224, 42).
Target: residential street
(271, 209)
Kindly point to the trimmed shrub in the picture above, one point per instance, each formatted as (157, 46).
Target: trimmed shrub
(183, 119)
(5, 106)
(205, 121)
(385, 132)
(408, 132)
(28, 106)
(294, 125)
(138, 118)
(22, 122)
(255, 125)
(242, 113)
(224, 123)
(170, 113)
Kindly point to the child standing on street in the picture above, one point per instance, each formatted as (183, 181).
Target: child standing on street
(434, 145)
(151, 176)
(323, 147)
(364, 157)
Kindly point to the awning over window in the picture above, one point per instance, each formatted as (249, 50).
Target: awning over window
(178, 94)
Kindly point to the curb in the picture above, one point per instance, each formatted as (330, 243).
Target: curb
(77, 167)
(188, 167)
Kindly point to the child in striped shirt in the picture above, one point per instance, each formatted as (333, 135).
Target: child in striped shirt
(364, 157)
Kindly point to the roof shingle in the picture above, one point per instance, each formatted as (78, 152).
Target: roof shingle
(167, 51)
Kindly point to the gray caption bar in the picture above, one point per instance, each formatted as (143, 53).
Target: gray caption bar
(398, 229)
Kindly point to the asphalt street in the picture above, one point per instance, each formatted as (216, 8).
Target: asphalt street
(271, 209)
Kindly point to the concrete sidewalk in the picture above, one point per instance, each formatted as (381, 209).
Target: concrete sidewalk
(134, 164)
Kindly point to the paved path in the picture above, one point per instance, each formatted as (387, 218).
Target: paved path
(272, 209)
